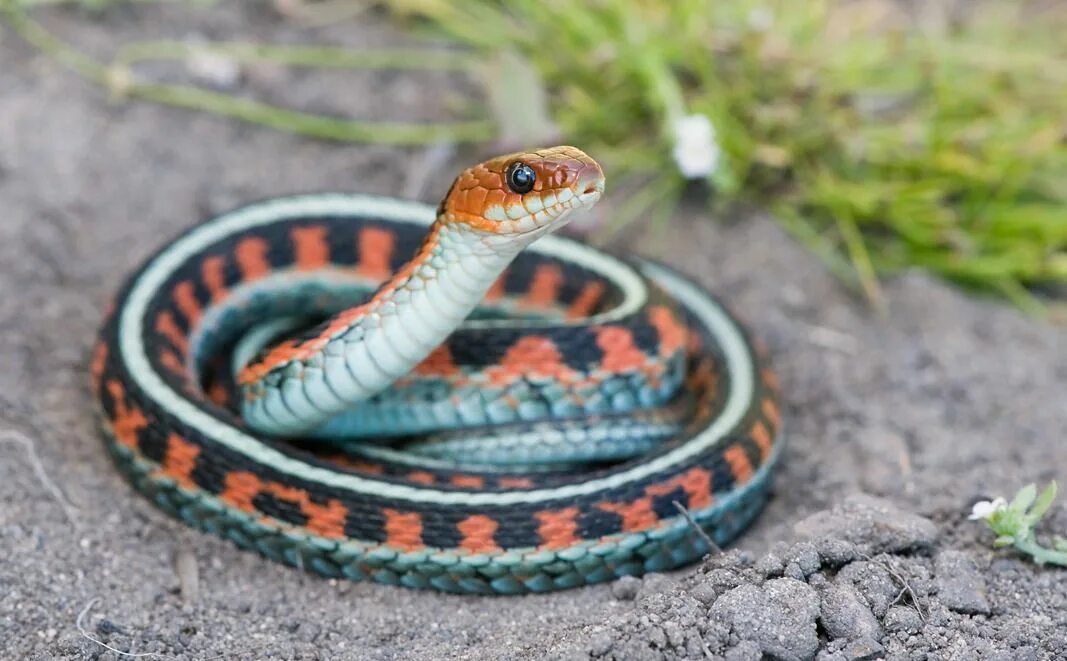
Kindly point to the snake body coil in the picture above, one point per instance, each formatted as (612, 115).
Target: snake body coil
(480, 418)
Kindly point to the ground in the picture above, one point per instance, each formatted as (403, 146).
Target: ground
(940, 401)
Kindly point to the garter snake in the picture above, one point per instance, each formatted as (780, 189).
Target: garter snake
(504, 412)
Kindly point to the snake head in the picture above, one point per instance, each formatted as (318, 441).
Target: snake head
(514, 199)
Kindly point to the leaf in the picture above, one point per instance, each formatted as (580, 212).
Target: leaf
(1043, 503)
(1023, 499)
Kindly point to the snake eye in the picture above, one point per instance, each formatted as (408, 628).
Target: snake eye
(520, 177)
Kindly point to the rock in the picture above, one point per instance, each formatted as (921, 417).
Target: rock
(705, 593)
(873, 525)
(902, 618)
(770, 565)
(746, 650)
(863, 650)
(600, 643)
(723, 579)
(845, 615)
(960, 586)
(779, 616)
(834, 552)
(793, 571)
(873, 582)
(625, 589)
(805, 556)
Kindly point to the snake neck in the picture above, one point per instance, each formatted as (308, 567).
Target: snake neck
(382, 340)
(430, 296)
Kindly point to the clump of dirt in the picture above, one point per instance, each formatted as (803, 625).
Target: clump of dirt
(866, 581)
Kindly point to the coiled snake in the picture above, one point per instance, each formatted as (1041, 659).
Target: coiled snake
(478, 418)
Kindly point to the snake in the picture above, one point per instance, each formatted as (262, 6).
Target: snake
(372, 388)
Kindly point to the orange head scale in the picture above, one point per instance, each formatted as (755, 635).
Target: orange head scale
(512, 200)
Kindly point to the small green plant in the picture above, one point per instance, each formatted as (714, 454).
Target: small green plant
(1014, 522)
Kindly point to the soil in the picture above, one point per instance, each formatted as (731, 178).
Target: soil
(897, 423)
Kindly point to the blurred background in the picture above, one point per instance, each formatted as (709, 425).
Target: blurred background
(883, 135)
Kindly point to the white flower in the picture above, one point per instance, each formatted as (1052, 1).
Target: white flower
(984, 509)
(213, 68)
(695, 150)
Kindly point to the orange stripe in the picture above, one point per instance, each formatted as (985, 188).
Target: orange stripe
(239, 489)
(327, 520)
(496, 292)
(770, 409)
(168, 328)
(770, 378)
(636, 515)
(740, 465)
(620, 352)
(477, 531)
(762, 438)
(310, 247)
(367, 467)
(544, 288)
(376, 246)
(251, 254)
(559, 528)
(98, 364)
(468, 481)
(515, 483)
(421, 477)
(171, 361)
(586, 300)
(218, 394)
(127, 420)
(438, 363)
(695, 482)
(179, 460)
(212, 272)
(185, 300)
(672, 334)
(403, 530)
(531, 355)
(283, 352)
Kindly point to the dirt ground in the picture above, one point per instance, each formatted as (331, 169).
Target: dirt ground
(942, 401)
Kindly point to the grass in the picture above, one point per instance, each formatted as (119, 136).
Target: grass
(881, 140)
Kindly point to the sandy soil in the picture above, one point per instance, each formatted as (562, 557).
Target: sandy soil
(943, 400)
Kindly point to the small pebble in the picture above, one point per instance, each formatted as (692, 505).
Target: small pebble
(793, 570)
(834, 552)
(844, 614)
(705, 593)
(960, 586)
(626, 588)
(770, 565)
(805, 556)
(902, 618)
(864, 649)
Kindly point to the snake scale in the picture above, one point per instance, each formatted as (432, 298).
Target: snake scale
(480, 418)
